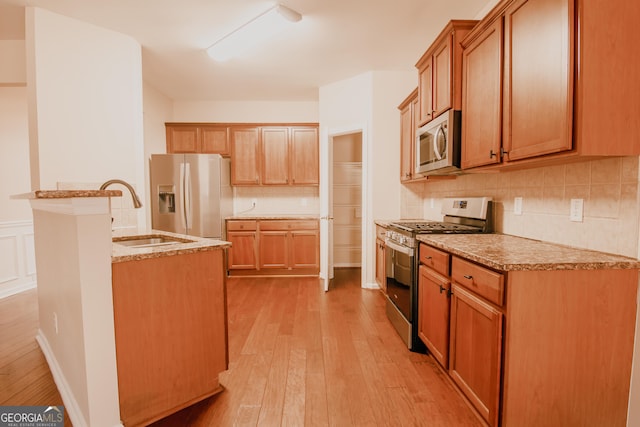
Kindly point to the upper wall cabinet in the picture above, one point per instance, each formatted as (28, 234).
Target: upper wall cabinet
(275, 155)
(409, 110)
(545, 81)
(197, 138)
(439, 72)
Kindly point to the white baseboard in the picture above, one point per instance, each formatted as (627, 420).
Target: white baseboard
(69, 400)
(373, 285)
(7, 292)
(346, 265)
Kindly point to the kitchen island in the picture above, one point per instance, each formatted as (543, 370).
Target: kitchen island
(108, 315)
(170, 320)
(532, 333)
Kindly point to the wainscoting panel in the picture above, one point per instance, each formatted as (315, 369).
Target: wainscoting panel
(17, 257)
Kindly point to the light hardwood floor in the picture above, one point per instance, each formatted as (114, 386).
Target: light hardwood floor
(298, 357)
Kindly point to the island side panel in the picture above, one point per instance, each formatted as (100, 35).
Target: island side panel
(170, 327)
(569, 347)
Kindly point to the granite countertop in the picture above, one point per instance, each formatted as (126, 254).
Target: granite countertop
(271, 216)
(510, 253)
(187, 245)
(67, 194)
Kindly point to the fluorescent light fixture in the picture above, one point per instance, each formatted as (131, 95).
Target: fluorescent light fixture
(267, 24)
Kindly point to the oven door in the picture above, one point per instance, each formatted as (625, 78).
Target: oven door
(400, 263)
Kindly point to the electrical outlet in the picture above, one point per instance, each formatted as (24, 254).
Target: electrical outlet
(517, 206)
(577, 208)
(432, 203)
(55, 322)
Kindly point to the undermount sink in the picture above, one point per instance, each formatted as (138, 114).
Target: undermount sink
(148, 241)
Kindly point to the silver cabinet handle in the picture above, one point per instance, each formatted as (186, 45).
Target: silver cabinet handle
(468, 277)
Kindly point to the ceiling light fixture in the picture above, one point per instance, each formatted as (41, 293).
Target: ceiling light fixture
(267, 24)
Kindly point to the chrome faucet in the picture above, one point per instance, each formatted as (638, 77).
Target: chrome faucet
(136, 200)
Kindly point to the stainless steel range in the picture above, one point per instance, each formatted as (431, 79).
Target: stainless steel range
(462, 215)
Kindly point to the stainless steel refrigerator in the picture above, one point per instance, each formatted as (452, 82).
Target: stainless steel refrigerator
(190, 194)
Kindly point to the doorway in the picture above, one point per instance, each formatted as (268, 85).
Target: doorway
(347, 200)
(353, 141)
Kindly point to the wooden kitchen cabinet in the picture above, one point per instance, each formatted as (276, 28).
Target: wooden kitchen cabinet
(305, 156)
(274, 246)
(409, 111)
(553, 106)
(440, 72)
(482, 97)
(476, 351)
(170, 333)
(290, 156)
(434, 313)
(215, 139)
(197, 138)
(245, 155)
(381, 270)
(243, 253)
(525, 344)
(275, 156)
(182, 138)
(538, 78)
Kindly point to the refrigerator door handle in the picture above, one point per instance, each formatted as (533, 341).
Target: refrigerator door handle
(181, 198)
(188, 194)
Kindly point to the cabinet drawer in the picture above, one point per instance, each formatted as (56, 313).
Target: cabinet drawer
(381, 232)
(269, 225)
(485, 283)
(249, 225)
(435, 259)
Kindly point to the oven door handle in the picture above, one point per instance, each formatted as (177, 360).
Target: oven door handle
(402, 249)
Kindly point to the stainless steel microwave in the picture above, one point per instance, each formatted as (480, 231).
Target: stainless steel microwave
(438, 145)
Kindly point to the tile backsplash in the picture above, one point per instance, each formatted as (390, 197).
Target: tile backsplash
(276, 200)
(125, 216)
(608, 188)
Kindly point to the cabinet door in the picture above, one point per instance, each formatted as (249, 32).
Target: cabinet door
(305, 249)
(538, 84)
(407, 136)
(441, 90)
(182, 139)
(425, 88)
(275, 156)
(433, 313)
(381, 274)
(243, 251)
(245, 167)
(214, 140)
(476, 351)
(274, 251)
(482, 98)
(305, 158)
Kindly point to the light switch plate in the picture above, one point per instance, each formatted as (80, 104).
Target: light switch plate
(517, 206)
(577, 208)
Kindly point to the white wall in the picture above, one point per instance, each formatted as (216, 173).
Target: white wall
(158, 110)
(368, 102)
(17, 259)
(245, 111)
(85, 100)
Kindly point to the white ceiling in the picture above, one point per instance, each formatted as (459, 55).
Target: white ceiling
(336, 39)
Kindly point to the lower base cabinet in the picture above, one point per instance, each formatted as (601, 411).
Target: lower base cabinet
(273, 247)
(535, 348)
(476, 351)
